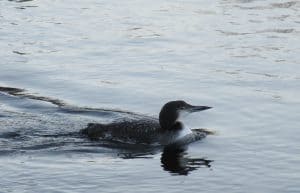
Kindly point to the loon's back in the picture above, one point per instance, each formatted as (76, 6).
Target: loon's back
(145, 131)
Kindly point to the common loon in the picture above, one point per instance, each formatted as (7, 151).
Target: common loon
(164, 131)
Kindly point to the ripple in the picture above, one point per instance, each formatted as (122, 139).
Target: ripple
(271, 94)
(205, 12)
(284, 5)
(280, 18)
(20, 1)
(20, 53)
(271, 6)
(10, 90)
(264, 74)
(290, 30)
(231, 33)
(252, 8)
(21, 92)
(11, 134)
(25, 7)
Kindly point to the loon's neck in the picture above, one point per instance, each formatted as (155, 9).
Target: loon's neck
(178, 131)
(177, 126)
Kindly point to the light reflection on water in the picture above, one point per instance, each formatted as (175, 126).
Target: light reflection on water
(239, 56)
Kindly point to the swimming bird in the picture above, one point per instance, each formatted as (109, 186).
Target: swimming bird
(165, 130)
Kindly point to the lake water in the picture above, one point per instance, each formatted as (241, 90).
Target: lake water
(106, 59)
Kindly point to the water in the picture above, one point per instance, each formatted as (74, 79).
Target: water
(239, 56)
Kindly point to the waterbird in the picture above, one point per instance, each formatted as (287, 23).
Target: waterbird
(167, 129)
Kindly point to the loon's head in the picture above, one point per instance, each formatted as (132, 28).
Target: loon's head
(170, 112)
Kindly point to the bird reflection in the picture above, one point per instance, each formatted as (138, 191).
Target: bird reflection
(175, 160)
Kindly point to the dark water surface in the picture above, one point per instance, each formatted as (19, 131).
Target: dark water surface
(78, 60)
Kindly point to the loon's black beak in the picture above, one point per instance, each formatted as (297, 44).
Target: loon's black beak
(191, 108)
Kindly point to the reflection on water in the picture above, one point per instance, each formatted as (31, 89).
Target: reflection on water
(175, 160)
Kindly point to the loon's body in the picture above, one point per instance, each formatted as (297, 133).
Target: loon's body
(165, 130)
